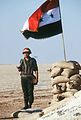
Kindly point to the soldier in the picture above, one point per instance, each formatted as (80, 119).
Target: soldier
(27, 67)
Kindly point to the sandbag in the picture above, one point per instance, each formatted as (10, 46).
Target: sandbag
(59, 97)
(56, 71)
(70, 85)
(76, 77)
(63, 87)
(76, 81)
(72, 90)
(69, 72)
(59, 88)
(55, 98)
(60, 79)
(74, 85)
(67, 94)
(77, 65)
(55, 90)
(64, 64)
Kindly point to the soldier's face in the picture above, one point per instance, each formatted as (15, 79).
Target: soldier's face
(26, 55)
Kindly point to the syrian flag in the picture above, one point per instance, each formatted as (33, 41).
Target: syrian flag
(44, 22)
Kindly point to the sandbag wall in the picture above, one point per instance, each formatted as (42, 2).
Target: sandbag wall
(65, 77)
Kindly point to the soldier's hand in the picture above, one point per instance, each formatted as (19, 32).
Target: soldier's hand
(18, 68)
(35, 81)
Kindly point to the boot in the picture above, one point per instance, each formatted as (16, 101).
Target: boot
(29, 106)
(25, 107)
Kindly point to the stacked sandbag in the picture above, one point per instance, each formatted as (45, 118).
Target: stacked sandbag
(65, 76)
(75, 82)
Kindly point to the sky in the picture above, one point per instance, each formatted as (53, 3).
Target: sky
(14, 13)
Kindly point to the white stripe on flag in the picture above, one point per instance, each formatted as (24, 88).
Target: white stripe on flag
(51, 16)
(26, 26)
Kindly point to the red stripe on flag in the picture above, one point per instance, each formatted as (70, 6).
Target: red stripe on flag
(35, 17)
(34, 20)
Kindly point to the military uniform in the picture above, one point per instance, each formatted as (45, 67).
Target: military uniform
(27, 68)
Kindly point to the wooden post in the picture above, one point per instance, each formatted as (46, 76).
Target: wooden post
(64, 47)
(62, 36)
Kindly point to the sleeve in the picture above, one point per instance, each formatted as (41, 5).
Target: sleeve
(20, 65)
(35, 67)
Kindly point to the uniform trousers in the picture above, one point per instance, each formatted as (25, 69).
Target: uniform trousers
(27, 87)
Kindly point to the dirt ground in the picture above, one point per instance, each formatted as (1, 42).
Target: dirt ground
(11, 101)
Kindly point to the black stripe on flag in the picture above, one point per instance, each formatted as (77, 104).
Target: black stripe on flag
(45, 31)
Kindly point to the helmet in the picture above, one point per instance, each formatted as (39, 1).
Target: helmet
(26, 50)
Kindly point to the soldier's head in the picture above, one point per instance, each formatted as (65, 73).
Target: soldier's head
(26, 52)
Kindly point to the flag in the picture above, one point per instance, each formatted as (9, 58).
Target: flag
(44, 22)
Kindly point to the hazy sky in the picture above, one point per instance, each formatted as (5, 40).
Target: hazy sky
(14, 13)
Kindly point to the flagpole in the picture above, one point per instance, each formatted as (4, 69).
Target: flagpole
(63, 46)
(63, 38)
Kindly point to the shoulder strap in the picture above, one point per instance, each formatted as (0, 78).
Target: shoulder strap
(24, 64)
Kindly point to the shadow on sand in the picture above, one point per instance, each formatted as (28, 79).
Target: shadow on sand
(7, 118)
(15, 114)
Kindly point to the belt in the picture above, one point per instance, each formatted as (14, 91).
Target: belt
(30, 76)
